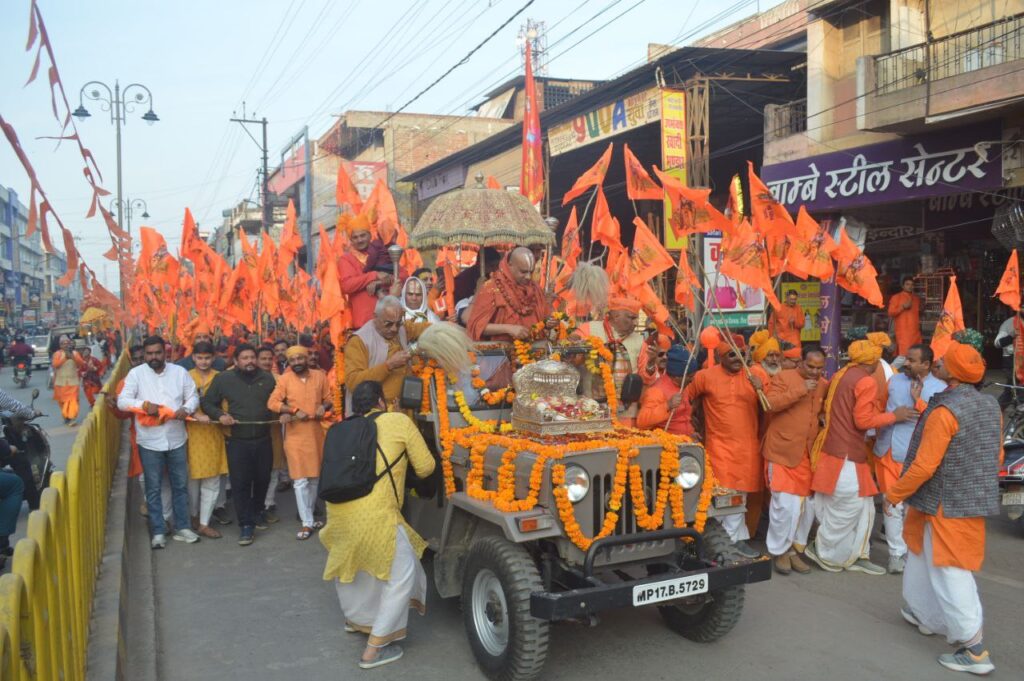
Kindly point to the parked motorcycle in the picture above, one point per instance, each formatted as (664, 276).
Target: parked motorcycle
(21, 373)
(32, 463)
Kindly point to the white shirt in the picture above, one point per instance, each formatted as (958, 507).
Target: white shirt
(1006, 330)
(173, 388)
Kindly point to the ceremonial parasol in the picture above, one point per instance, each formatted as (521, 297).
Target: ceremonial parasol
(94, 315)
(481, 216)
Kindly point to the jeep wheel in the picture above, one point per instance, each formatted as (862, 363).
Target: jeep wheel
(715, 617)
(508, 643)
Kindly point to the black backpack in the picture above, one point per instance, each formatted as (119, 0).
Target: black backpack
(349, 468)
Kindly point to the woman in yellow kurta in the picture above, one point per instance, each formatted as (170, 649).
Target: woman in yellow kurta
(66, 363)
(207, 454)
(373, 554)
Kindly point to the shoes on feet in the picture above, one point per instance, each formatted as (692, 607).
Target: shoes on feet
(783, 565)
(144, 510)
(798, 564)
(208, 532)
(261, 521)
(809, 552)
(284, 486)
(187, 536)
(246, 537)
(896, 565)
(159, 541)
(867, 567)
(270, 514)
(746, 550)
(909, 616)
(389, 653)
(221, 516)
(963, 660)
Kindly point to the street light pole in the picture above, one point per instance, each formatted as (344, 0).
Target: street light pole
(129, 206)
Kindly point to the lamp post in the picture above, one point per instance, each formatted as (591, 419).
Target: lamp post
(118, 103)
(130, 206)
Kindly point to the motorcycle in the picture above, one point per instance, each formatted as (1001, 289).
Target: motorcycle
(32, 461)
(21, 373)
(1011, 480)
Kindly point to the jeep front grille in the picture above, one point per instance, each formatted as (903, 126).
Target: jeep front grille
(602, 487)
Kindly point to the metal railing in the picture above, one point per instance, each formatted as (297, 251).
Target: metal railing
(783, 120)
(995, 43)
(46, 600)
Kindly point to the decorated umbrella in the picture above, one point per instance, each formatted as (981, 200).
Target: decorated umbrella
(94, 315)
(483, 217)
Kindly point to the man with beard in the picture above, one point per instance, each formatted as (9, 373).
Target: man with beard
(509, 303)
(302, 397)
(247, 390)
(796, 396)
(162, 396)
(279, 364)
(662, 404)
(66, 364)
(357, 273)
(766, 352)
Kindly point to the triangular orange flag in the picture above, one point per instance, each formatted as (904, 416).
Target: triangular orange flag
(639, 184)
(571, 249)
(768, 216)
(345, 193)
(686, 283)
(290, 242)
(951, 320)
(691, 211)
(604, 227)
(810, 254)
(592, 177)
(855, 272)
(268, 278)
(1009, 285)
(492, 182)
(649, 257)
(744, 259)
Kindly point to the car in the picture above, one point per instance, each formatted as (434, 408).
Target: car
(53, 341)
(41, 357)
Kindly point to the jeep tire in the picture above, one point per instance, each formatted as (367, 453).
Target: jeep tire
(509, 644)
(717, 616)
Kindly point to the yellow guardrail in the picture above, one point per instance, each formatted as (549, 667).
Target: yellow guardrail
(46, 600)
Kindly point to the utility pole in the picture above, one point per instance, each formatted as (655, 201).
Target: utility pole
(264, 184)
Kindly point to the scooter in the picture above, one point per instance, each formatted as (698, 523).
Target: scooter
(21, 373)
(33, 457)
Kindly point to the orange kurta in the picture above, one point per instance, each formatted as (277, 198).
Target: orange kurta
(66, 382)
(786, 324)
(956, 542)
(654, 410)
(731, 421)
(907, 322)
(353, 282)
(303, 440)
(493, 305)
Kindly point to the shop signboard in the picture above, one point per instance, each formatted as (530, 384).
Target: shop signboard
(808, 297)
(673, 151)
(441, 181)
(49, 317)
(730, 303)
(966, 159)
(625, 113)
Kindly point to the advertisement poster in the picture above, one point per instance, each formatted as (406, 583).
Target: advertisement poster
(808, 297)
(730, 304)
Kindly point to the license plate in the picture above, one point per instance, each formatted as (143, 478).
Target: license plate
(1013, 499)
(670, 589)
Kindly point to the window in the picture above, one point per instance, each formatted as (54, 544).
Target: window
(863, 30)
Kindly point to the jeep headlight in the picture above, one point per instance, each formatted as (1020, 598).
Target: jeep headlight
(577, 483)
(689, 472)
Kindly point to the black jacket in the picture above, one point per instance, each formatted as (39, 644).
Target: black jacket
(246, 398)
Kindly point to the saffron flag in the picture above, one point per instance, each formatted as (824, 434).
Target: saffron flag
(604, 227)
(951, 321)
(768, 216)
(592, 177)
(383, 213)
(267, 275)
(531, 177)
(190, 249)
(617, 267)
(1009, 285)
(345, 193)
(155, 263)
(639, 184)
(854, 271)
(571, 249)
(72, 255)
(290, 242)
(492, 182)
(744, 259)
(810, 254)
(691, 211)
(649, 257)
(686, 283)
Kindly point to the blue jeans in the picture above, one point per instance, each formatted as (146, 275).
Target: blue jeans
(176, 463)
(11, 488)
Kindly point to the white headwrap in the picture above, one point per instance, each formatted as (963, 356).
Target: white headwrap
(421, 313)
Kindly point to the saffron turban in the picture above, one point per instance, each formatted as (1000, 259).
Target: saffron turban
(764, 348)
(296, 351)
(739, 341)
(359, 223)
(880, 339)
(664, 342)
(623, 303)
(864, 352)
(792, 353)
(759, 337)
(964, 363)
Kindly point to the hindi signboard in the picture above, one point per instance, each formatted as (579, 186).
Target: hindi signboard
(673, 151)
(625, 113)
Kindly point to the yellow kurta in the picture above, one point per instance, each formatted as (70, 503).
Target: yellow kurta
(358, 369)
(207, 456)
(66, 381)
(360, 534)
(303, 440)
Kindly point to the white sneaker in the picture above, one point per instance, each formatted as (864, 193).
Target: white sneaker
(897, 564)
(159, 541)
(187, 536)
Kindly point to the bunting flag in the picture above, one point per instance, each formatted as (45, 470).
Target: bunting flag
(72, 253)
(810, 254)
(649, 257)
(854, 271)
(686, 283)
(768, 216)
(345, 193)
(639, 184)
(691, 211)
(592, 177)
(531, 177)
(571, 249)
(604, 227)
(951, 320)
(744, 259)
(1008, 290)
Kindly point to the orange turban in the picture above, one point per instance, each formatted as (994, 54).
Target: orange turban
(624, 303)
(359, 223)
(880, 339)
(664, 342)
(864, 352)
(792, 353)
(964, 363)
(759, 337)
(761, 350)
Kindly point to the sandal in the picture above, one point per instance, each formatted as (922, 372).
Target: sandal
(318, 524)
(304, 533)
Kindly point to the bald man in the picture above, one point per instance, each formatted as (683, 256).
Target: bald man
(510, 302)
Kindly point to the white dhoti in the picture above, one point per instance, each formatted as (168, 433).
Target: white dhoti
(381, 609)
(894, 531)
(203, 495)
(943, 599)
(845, 521)
(790, 518)
(305, 498)
(735, 526)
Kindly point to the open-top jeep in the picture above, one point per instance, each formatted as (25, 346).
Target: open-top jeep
(511, 520)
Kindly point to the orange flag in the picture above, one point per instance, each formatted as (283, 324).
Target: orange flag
(531, 176)
(571, 249)
(617, 267)
(155, 263)
(383, 213)
(810, 254)
(686, 283)
(691, 211)
(331, 304)
(855, 272)
(345, 193)
(248, 264)
(744, 259)
(768, 215)
(492, 182)
(290, 241)
(649, 257)
(592, 177)
(1009, 286)
(951, 321)
(639, 184)
(604, 227)
(189, 238)
(267, 273)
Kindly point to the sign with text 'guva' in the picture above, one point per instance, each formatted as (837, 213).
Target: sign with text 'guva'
(625, 113)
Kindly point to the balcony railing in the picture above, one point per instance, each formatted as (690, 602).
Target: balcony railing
(953, 55)
(783, 120)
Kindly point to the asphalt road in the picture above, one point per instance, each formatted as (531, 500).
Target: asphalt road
(263, 613)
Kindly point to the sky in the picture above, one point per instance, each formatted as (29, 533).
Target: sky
(297, 62)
